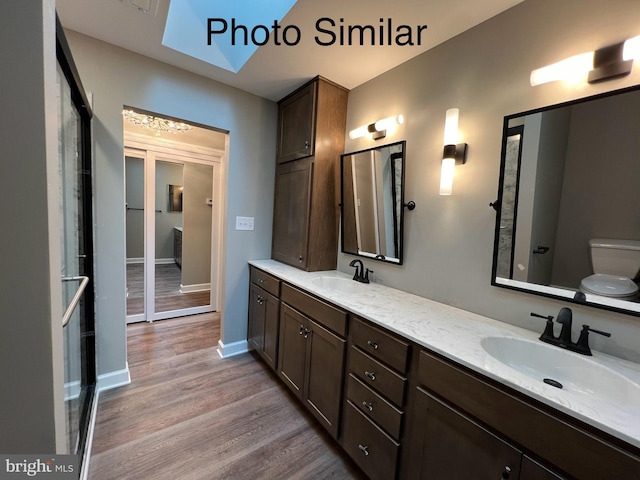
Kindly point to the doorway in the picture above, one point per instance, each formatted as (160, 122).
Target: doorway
(173, 226)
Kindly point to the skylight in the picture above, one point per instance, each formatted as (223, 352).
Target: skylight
(188, 25)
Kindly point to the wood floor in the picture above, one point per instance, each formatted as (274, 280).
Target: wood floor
(190, 415)
(168, 278)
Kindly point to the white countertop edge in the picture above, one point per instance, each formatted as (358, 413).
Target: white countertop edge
(424, 320)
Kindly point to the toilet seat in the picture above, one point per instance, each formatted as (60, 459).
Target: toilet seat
(612, 286)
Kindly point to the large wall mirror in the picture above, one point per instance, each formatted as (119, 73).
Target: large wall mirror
(568, 221)
(372, 202)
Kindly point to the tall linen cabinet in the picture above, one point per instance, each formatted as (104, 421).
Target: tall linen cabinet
(311, 129)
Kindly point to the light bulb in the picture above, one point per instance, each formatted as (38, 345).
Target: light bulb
(446, 176)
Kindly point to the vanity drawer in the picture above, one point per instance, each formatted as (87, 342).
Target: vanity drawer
(372, 449)
(375, 407)
(377, 376)
(379, 344)
(264, 280)
(329, 316)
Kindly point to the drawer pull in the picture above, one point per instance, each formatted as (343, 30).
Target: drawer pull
(260, 280)
(371, 375)
(373, 345)
(368, 405)
(505, 475)
(364, 449)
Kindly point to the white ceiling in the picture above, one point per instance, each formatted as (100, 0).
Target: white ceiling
(274, 71)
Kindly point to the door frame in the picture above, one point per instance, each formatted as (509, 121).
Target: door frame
(152, 149)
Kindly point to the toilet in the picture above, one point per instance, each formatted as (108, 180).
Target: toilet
(615, 263)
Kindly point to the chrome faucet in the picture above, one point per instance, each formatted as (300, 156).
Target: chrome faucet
(564, 339)
(362, 274)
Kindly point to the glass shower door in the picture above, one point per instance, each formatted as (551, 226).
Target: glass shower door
(74, 170)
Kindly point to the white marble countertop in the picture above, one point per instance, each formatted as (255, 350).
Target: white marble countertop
(457, 334)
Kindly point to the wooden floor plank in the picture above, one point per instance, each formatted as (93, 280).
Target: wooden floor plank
(190, 415)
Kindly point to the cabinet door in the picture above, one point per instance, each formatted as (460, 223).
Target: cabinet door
(291, 213)
(256, 317)
(271, 323)
(296, 125)
(292, 349)
(532, 470)
(325, 369)
(454, 447)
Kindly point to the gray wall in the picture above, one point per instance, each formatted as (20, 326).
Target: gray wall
(196, 239)
(594, 172)
(117, 77)
(134, 193)
(31, 355)
(485, 72)
(167, 173)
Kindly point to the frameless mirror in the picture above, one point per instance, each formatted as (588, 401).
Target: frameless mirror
(372, 202)
(569, 193)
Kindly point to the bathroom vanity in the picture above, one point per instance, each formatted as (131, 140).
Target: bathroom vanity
(407, 388)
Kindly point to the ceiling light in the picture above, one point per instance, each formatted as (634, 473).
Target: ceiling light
(159, 124)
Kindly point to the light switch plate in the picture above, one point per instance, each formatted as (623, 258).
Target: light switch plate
(244, 223)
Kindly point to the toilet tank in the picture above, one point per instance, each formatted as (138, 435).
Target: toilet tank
(615, 257)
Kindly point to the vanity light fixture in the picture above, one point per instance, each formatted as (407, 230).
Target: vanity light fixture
(454, 153)
(603, 64)
(377, 130)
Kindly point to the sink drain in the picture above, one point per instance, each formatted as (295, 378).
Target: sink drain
(552, 382)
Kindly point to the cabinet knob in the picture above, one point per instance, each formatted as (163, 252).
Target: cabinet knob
(300, 259)
(364, 449)
(373, 345)
(371, 375)
(306, 144)
(506, 474)
(301, 329)
(260, 299)
(260, 280)
(368, 405)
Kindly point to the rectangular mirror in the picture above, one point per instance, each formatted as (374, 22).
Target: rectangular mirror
(372, 202)
(175, 198)
(568, 209)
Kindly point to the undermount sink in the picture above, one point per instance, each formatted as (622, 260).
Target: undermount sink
(338, 284)
(575, 373)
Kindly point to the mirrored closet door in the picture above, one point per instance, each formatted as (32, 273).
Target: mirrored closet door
(172, 230)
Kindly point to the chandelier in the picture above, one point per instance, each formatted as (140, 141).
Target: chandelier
(159, 124)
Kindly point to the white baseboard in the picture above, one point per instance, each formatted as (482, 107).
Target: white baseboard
(110, 380)
(135, 260)
(232, 349)
(72, 390)
(196, 287)
(165, 261)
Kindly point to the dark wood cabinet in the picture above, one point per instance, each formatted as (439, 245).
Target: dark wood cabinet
(375, 398)
(291, 213)
(311, 356)
(411, 413)
(454, 447)
(532, 470)
(264, 312)
(571, 449)
(296, 124)
(311, 129)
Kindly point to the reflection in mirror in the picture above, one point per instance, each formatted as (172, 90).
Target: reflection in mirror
(568, 223)
(372, 202)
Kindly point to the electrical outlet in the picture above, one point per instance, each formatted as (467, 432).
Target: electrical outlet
(244, 223)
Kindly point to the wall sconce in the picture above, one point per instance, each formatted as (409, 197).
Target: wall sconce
(603, 64)
(377, 129)
(454, 153)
